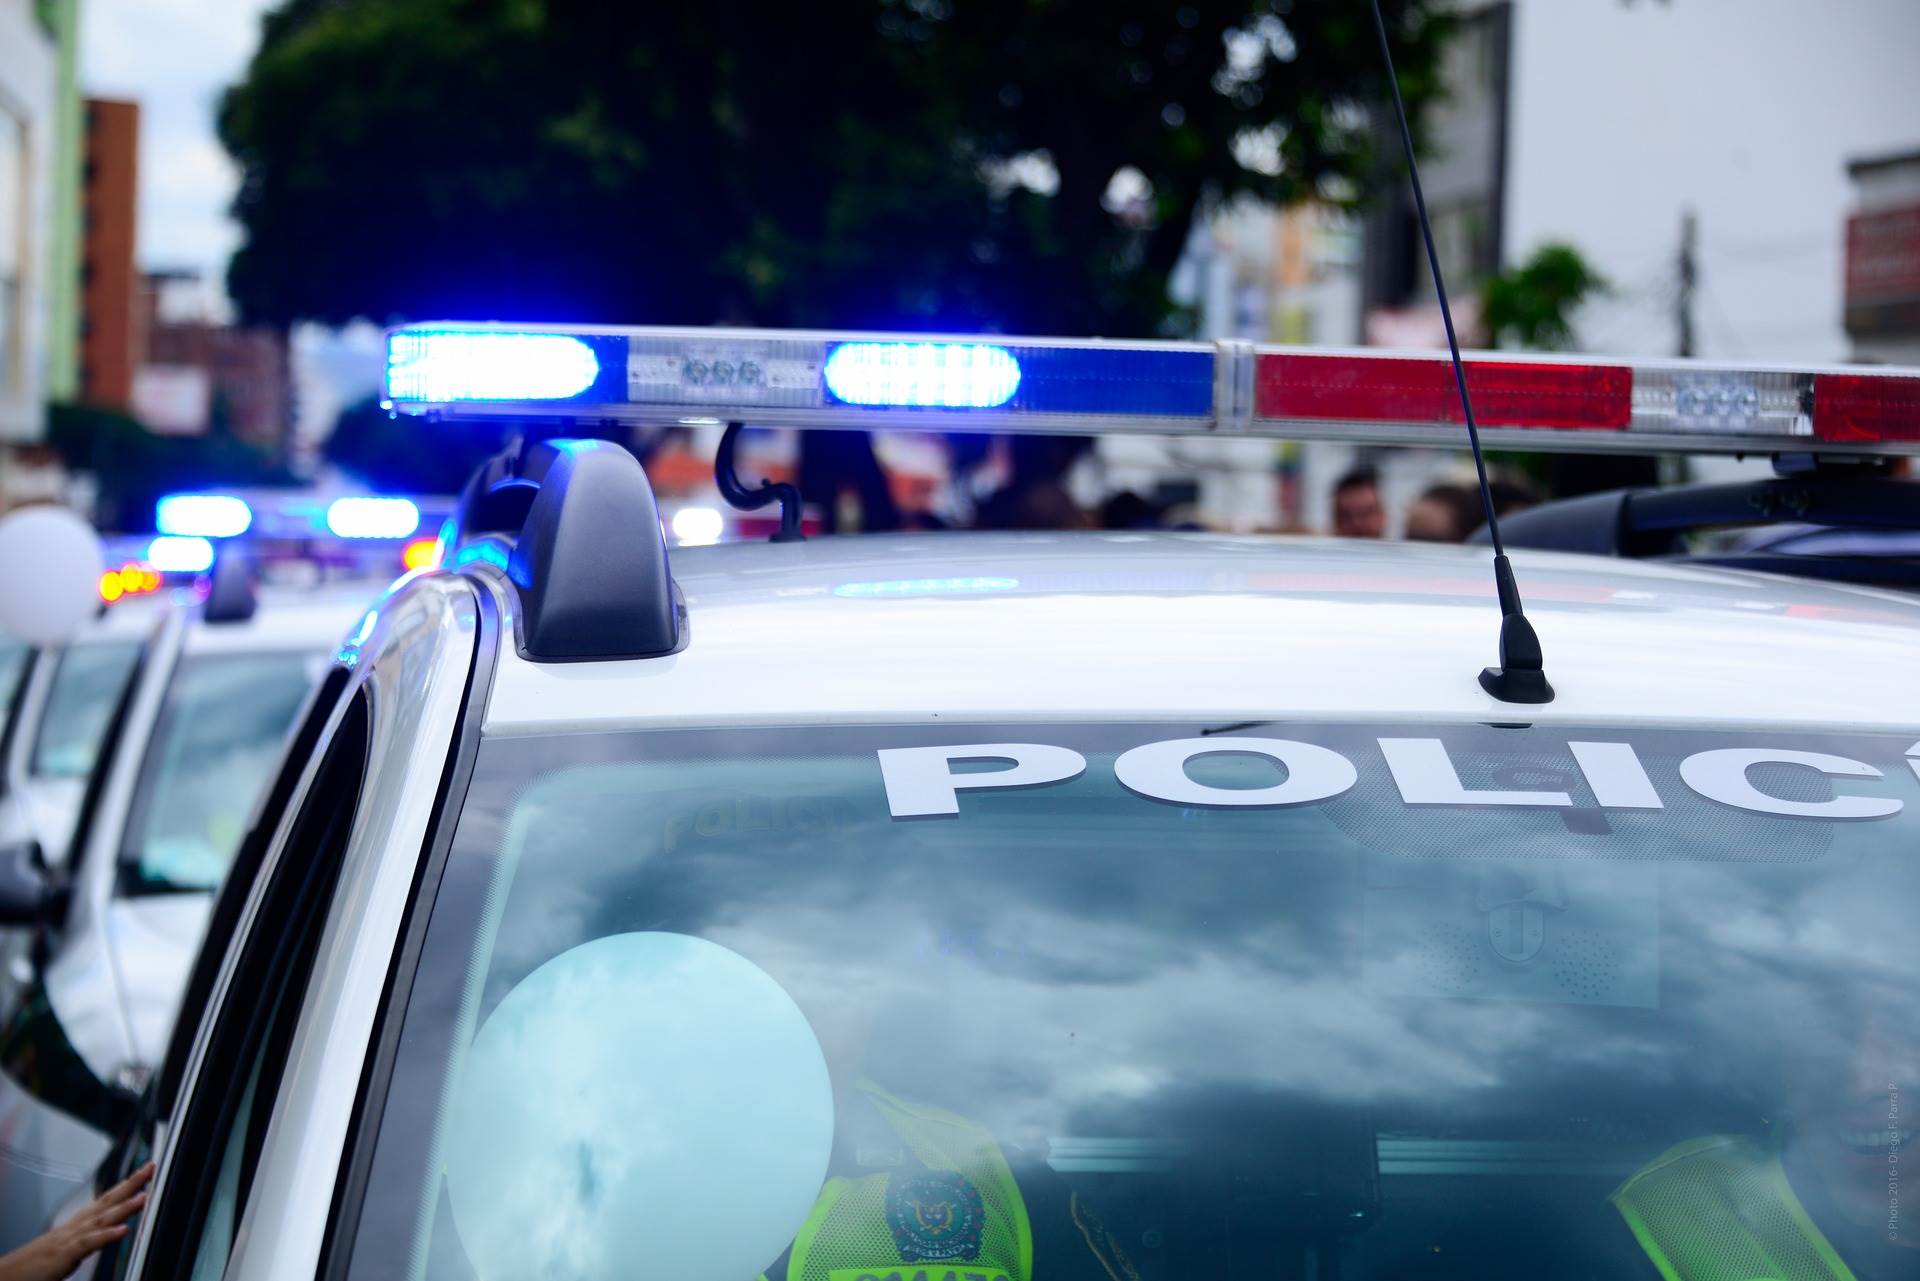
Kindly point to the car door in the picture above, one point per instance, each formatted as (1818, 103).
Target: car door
(251, 1118)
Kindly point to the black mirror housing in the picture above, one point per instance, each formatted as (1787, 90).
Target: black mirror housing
(27, 895)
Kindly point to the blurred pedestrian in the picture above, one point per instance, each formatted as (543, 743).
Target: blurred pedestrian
(1357, 511)
(54, 1254)
(1444, 514)
(1512, 494)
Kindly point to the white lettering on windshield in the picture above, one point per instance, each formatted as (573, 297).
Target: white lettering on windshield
(1721, 775)
(1425, 775)
(922, 781)
(1159, 770)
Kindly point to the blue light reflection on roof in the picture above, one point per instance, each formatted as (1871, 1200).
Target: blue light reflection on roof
(927, 587)
(488, 552)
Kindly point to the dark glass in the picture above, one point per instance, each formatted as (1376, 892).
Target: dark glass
(1354, 1038)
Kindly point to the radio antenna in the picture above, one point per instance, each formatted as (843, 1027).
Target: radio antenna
(1521, 676)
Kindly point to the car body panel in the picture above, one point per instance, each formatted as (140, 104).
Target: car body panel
(1117, 626)
(421, 655)
(1004, 628)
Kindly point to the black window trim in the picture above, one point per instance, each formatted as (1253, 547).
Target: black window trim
(268, 959)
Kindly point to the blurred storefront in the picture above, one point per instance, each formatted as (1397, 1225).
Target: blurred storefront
(1883, 259)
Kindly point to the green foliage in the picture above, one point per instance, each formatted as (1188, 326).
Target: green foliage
(396, 456)
(134, 467)
(842, 162)
(1531, 305)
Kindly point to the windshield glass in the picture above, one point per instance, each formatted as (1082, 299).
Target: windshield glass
(214, 746)
(87, 685)
(1161, 1001)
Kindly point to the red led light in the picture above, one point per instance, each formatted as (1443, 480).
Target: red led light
(1868, 408)
(1413, 390)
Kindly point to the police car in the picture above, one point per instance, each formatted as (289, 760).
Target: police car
(1127, 906)
(163, 722)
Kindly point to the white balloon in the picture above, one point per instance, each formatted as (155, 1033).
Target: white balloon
(51, 583)
(644, 1105)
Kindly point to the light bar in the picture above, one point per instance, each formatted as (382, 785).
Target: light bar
(180, 554)
(366, 517)
(918, 382)
(202, 515)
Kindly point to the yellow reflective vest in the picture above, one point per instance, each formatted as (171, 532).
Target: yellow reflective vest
(1721, 1209)
(959, 1217)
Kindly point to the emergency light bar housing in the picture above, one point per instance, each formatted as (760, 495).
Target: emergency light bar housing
(926, 382)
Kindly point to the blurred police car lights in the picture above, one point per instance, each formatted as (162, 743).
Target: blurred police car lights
(180, 554)
(368, 517)
(862, 381)
(202, 515)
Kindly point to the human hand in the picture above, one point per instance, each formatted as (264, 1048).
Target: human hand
(54, 1254)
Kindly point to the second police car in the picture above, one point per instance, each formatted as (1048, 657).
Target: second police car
(1121, 906)
(163, 721)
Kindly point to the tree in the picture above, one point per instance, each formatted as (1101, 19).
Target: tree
(134, 467)
(396, 456)
(881, 163)
(1531, 305)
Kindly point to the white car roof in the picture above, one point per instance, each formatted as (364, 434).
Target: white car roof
(1017, 627)
(289, 619)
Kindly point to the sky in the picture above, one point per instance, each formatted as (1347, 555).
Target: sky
(174, 57)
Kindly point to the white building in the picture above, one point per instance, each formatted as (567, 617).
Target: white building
(28, 81)
(1603, 124)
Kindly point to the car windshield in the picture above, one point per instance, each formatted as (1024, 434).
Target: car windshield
(87, 684)
(214, 746)
(1160, 1001)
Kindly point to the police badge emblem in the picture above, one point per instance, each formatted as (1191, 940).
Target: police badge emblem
(935, 1216)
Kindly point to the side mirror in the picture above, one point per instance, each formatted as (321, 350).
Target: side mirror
(27, 896)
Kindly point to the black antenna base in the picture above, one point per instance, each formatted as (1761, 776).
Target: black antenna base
(1521, 676)
(746, 500)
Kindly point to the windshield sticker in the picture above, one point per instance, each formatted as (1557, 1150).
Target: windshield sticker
(1609, 775)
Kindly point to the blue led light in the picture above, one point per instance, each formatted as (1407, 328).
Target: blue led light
(922, 374)
(373, 517)
(454, 365)
(180, 554)
(202, 515)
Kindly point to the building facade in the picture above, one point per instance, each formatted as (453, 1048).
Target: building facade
(110, 341)
(29, 74)
(1883, 259)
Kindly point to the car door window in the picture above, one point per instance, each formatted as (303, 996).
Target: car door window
(86, 688)
(224, 1123)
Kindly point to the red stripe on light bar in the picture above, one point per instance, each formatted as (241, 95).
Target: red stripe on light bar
(1869, 408)
(1401, 390)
